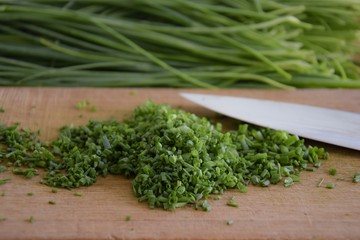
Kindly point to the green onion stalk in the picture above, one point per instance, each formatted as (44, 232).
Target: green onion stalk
(180, 43)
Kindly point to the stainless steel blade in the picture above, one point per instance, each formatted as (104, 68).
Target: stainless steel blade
(322, 124)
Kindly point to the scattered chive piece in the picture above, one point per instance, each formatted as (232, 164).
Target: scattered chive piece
(321, 181)
(356, 177)
(2, 110)
(3, 181)
(332, 171)
(205, 206)
(217, 198)
(31, 219)
(54, 190)
(30, 194)
(288, 182)
(93, 109)
(310, 169)
(51, 202)
(295, 178)
(77, 194)
(2, 194)
(128, 218)
(330, 185)
(2, 219)
(3, 168)
(82, 104)
(230, 222)
(232, 202)
(27, 172)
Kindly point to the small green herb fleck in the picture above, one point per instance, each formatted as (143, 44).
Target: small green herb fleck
(77, 194)
(205, 206)
(54, 190)
(82, 104)
(128, 218)
(330, 185)
(356, 177)
(30, 194)
(2, 219)
(2, 109)
(232, 202)
(288, 182)
(310, 169)
(3, 181)
(230, 222)
(320, 183)
(3, 168)
(93, 109)
(31, 219)
(332, 171)
(217, 198)
(51, 202)
(28, 172)
(2, 194)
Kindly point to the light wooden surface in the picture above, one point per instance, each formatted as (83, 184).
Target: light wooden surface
(302, 211)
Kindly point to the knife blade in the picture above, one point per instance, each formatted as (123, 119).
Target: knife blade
(332, 126)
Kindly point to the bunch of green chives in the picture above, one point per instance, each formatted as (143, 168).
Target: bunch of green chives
(179, 43)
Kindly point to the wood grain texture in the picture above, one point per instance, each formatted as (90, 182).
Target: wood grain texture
(302, 211)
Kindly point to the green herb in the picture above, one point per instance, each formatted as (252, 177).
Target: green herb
(175, 157)
(217, 198)
(30, 194)
(3, 181)
(232, 202)
(230, 222)
(77, 194)
(128, 218)
(93, 109)
(31, 219)
(288, 182)
(28, 173)
(3, 168)
(52, 202)
(320, 183)
(54, 190)
(208, 44)
(332, 171)
(2, 219)
(82, 104)
(356, 177)
(2, 109)
(2, 194)
(205, 206)
(330, 185)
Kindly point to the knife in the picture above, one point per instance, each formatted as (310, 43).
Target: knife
(332, 126)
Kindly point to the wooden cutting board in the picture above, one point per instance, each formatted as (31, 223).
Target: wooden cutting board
(302, 211)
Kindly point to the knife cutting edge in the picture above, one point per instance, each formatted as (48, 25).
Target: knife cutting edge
(332, 126)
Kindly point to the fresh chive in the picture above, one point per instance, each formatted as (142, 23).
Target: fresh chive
(77, 194)
(51, 202)
(3, 181)
(332, 171)
(229, 222)
(217, 198)
(330, 185)
(232, 202)
(30, 194)
(288, 182)
(320, 183)
(2, 109)
(128, 218)
(356, 177)
(54, 190)
(205, 206)
(3, 168)
(31, 219)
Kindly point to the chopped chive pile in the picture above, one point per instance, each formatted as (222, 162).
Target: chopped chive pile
(174, 157)
(28, 173)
